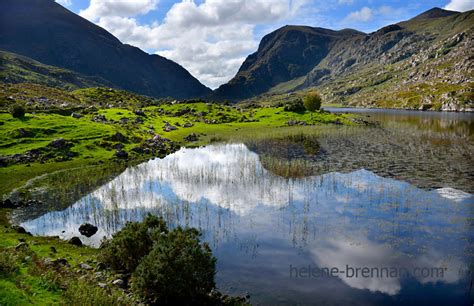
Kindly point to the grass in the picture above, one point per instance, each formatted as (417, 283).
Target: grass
(210, 121)
(29, 284)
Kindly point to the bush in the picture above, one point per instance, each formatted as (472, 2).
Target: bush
(179, 269)
(295, 105)
(312, 101)
(128, 246)
(17, 111)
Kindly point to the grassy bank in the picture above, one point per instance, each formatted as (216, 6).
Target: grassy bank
(92, 142)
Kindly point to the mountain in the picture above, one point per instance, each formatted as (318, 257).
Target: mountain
(425, 62)
(47, 32)
(16, 68)
(285, 54)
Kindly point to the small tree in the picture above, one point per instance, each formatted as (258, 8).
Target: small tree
(312, 102)
(17, 111)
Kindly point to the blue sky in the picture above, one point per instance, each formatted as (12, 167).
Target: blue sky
(211, 38)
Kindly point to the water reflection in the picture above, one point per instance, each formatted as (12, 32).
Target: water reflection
(259, 224)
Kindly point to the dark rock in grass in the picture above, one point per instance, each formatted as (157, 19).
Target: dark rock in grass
(8, 204)
(22, 246)
(22, 133)
(124, 120)
(59, 143)
(168, 127)
(88, 230)
(188, 125)
(75, 241)
(139, 120)
(118, 146)
(60, 262)
(53, 250)
(76, 115)
(138, 150)
(139, 112)
(85, 266)
(101, 266)
(121, 154)
(99, 118)
(192, 137)
(119, 283)
(20, 230)
(119, 137)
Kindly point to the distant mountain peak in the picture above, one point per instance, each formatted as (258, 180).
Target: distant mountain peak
(435, 12)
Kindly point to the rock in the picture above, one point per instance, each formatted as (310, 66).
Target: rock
(139, 120)
(99, 118)
(169, 128)
(22, 246)
(22, 133)
(119, 283)
(60, 262)
(192, 137)
(88, 230)
(121, 154)
(76, 115)
(188, 125)
(102, 285)
(139, 112)
(8, 204)
(75, 241)
(85, 266)
(101, 266)
(20, 230)
(59, 143)
(119, 137)
(53, 250)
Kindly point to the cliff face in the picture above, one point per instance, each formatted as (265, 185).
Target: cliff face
(46, 32)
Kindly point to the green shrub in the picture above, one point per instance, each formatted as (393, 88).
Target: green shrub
(128, 246)
(179, 269)
(17, 111)
(312, 101)
(296, 105)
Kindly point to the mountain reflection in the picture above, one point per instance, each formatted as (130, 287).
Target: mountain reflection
(259, 223)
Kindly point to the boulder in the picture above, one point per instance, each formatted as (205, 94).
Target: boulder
(192, 137)
(75, 241)
(88, 230)
(118, 137)
(119, 283)
(139, 112)
(59, 143)
(121, 154)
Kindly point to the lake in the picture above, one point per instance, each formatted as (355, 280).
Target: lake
(376, 215)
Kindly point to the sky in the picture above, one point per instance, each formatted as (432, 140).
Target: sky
(212, 38)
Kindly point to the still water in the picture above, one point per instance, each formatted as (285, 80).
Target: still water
(277, 237)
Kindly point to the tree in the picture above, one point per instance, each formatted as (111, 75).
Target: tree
(17, 111)
(312, 102)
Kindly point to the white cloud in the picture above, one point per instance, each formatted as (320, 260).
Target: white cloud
(365, 14)
(460, 5)
(211, 40)
(64, 2)
(124, 8)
